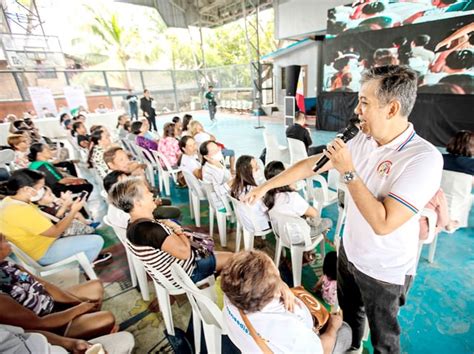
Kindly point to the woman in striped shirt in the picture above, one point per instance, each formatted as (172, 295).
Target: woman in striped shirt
(160, 243)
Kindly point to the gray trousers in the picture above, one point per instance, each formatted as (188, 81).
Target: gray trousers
(360, 295)
(212, 111)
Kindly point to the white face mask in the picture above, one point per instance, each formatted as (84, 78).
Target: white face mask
(218, 156)
(39, 195)
(258, 176)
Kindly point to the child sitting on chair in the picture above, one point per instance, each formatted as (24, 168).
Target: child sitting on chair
(286, 200)
(327, 284)
(57, 208)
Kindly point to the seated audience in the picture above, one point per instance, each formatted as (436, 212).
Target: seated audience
(163, 209)
(139, 129)
(285, 200)
(63, 117)
(40, 156)
(17, 340)
(160, 243)
(117, 159)
(34, 304)
(178, 127)
(189, 161)
(169, 146)
(245, 180)
(256, 296)
(21, 147)
(57, 208)
(460, 150)
(24, 224)
(214, 172)
(198, 133)
(299, 131)
(187, 118)
(121, 121)
(440, 206)
(100, 140)
(79, 131)
(327, 284)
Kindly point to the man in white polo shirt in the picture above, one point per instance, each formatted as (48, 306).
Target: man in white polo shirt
(391, 174)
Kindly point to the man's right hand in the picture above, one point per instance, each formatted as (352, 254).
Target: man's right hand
(255, 194)
(335, 321)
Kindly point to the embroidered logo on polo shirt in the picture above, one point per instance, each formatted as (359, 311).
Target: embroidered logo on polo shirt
(384, 167)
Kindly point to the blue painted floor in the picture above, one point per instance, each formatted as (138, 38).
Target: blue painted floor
(439, 315)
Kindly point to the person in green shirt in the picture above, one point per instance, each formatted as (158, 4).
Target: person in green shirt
(211, 103)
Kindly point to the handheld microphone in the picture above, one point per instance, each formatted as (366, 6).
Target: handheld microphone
(347, 134)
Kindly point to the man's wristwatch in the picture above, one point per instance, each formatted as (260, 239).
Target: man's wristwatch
(349, 176)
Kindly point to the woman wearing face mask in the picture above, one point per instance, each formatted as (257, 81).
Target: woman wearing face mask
(214, 171)
(247, 176)
(23, 224)
(100, 141)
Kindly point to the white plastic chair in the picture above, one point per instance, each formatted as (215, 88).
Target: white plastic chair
(321, 196)
(245, 217)
(137, 272)
(196, 194)
(35, 268)
(151, 165)
(274, 151)
(335, 184)
(165, 173)
(164, 288)
(457, 189)
(432, 238)
(294, 233)
(206, 313)
(6, 159)
(221, 217)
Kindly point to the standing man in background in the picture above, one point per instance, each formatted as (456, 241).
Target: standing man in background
(132, 100)
(147, 105)
(211, 103)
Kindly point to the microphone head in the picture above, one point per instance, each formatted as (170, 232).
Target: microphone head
(349, 132)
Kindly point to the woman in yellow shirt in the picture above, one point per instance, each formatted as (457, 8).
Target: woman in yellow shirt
(24, 225)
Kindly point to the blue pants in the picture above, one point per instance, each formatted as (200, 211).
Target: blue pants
(66, 247)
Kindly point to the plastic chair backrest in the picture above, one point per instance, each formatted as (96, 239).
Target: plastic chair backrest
(432, 220)
(297, 150)
(147, 155)
(334, 179)
(6, 156)
(194, 185)
(205, 306)
(160, 157)
(209, 189)
(119, 231)
(292, 230)
(457, 189)
(245, 216)
(26, 261)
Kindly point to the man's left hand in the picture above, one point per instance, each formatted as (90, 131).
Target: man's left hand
(339, 155)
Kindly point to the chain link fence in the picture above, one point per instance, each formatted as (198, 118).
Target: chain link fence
(174, 90)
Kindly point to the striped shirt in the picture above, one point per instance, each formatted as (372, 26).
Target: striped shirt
(153, 258)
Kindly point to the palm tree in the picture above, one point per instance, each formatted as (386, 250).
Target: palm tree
(116, 39)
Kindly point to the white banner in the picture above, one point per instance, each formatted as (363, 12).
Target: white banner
(75, 97)
(43, 101)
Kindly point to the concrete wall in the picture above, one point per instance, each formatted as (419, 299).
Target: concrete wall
(18, 107)
(306, 55)
(297, 18)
